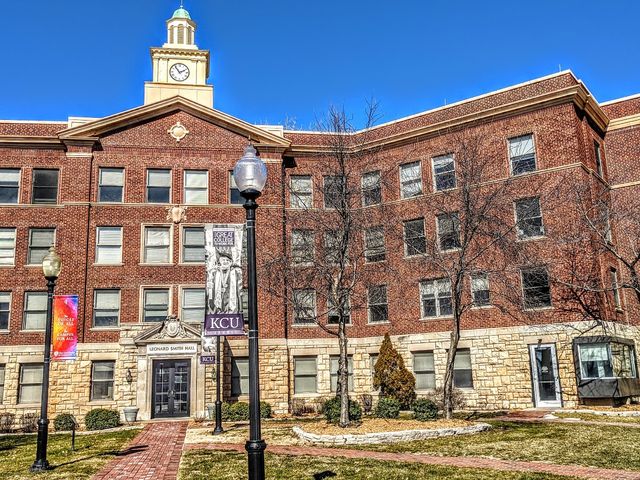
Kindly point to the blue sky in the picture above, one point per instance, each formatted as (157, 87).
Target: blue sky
(279, 59)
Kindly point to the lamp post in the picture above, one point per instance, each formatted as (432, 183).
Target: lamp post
(218, 428)
(250, 175)
(51, 266)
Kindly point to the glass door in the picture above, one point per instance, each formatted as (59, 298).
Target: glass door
(170, 396)
(544, 373)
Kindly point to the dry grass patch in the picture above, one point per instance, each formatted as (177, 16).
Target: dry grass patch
(378, 425)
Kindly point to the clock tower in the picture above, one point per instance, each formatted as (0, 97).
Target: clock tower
(179, 67)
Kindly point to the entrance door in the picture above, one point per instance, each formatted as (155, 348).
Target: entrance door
(170, 396)
(544, 372)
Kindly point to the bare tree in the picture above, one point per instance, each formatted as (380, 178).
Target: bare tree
(323, 265)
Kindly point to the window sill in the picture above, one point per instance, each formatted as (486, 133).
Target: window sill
(105, 329)
(440, 317)
(379, 323)
(107, 264)
(531, 239)
(109, 203)
(421, 194)
(369, 262)
(307, 395)
(414, 256)
(188, 264)
(482, 307)
(538, 309)
(31, 331)
(28, 405)
(102, 402)
(156, 264)
(450, 250)
(4, 332)
(8, 266)
(304, 325)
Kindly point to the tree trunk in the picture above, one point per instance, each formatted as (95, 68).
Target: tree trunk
(343, 375)
(448, 376)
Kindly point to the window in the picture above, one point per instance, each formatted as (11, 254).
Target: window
(234, 194)
(529, 218)
(35, 311)
(462, 375)
(598, 153)
(193, 245)
(424, 370)
(40, 240)
(615, 288)
(2, 376)
(102, 380)
(410, 180)
(334, 193)
(480, 289)
(30, 387)
(444, 172)
(5, 311)
(374, 249)
(239, 376)
(607, 360)
(522, 154)
(435, 296)
(109, 245)
(333, 310)
(378, 307)
(302, 246)
(157, 245)
(193, 305)
(158, 186)
(304, 375)
(607, 223)
(7, 246)
(196, 184)
(332, 253)
(301, 194)
(373, 358)
(111, 185)
(106, 308)
(415, 242)
(535, 287)
(9, 185)
(155, 304)
(304, 306)
(448, 231)
(371, 189)
(45, 186)
(333, 360)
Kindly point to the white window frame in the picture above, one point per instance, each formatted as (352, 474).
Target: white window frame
(519, 234)
(141, 302)
(112, 381)
(241, 377)
(3, 380)
(368, 250)
(435, 285)
(333, 374)
(144, 226)
(472, 278)
(199, 189)
(315, 376)
(446, 156)
(119, 312)
(306, 236)
(535, 153)
(108, 246)
(21, 384)
(29, 246)
(293, 193)
(13, 248)
(181, 292)
(524, 304)
(10, 293)
(122, 169)
(369, 304)
(183, 227)
(424, 372)
(19, 170)
(233, 186)
(455, 218)
(615, 288)
(404, 237)
(25, 311)
(309, 293)
(146, 186)
(402, 184)
(377, 186)
(331, 308)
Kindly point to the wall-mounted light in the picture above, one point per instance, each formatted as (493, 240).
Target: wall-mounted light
(129, 377)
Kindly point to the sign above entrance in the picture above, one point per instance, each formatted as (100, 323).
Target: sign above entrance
(222, 324)
(172, 348)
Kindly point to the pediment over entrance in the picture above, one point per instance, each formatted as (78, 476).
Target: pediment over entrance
(172, 330)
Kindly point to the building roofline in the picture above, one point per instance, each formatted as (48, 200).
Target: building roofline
(47, 122)
(621, 99)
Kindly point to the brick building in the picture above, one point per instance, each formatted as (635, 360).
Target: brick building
(124, 199)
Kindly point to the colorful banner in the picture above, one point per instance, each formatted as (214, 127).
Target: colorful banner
(65, 327)
(223, 257)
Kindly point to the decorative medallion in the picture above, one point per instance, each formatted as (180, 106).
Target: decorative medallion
(178, 131)
(176, 213)
(172, 328)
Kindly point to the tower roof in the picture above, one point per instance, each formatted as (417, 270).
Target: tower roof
(181, 13)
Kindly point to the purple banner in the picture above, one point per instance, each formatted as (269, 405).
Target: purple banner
(223, 324)
(207, 359)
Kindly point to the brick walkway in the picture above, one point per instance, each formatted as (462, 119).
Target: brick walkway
(154, 454)
(463, 462)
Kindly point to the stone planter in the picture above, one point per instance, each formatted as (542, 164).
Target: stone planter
(130, 414)
(211, 412)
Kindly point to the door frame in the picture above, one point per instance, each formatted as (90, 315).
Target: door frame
(535, 386)
(154, 362)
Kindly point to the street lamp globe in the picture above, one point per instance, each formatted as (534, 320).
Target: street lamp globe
(52, 264)
(250, 172)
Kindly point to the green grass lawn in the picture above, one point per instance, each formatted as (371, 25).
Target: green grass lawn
(562, 443)
(199, 465)
(17, 453)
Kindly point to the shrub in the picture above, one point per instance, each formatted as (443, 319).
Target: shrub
(392, 377)
(300, 407)
(7, 420)
(457, 398)
(101, 418)
(64, 422)
(233, 412)
(425, 409)
(29, 422)
(367, 402)
(388, 407)
(331, 410)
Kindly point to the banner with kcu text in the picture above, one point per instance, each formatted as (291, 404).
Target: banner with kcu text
(65, 327)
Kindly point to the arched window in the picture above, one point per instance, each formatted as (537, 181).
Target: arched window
(180, 34)
(190, 36)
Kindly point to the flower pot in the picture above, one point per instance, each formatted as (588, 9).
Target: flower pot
(211, 412)
(130, 414)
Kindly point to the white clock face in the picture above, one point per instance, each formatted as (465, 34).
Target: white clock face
(179, 72)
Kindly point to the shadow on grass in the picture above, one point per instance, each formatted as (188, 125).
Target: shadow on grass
(110, 453)
(323, 475)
